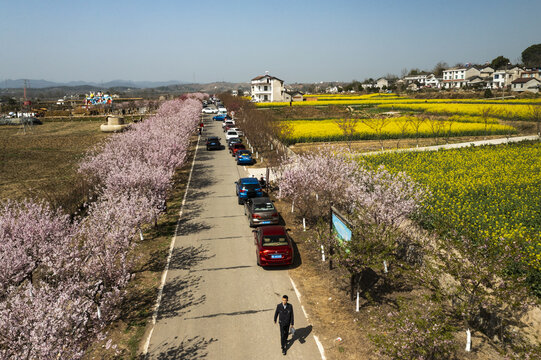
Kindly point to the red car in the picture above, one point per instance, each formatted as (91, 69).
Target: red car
(236, 147)
(273, 246)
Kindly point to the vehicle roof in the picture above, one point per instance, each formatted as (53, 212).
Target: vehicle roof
(243, 151)
(249, 180)
(213, 138)
(239, 144)
(272, 230)
(231, 132)
(261, 200)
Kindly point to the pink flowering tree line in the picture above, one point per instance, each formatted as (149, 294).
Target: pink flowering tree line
(375, 201)
(62, 279)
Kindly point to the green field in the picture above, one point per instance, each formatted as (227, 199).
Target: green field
(491, 194)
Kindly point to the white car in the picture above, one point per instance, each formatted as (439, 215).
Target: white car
(222, 110)
(231, 134)
(238, 131)
(208, 110)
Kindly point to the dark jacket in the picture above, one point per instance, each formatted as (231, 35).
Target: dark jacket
(286, 315)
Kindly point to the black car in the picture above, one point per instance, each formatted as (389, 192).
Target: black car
(213, 143)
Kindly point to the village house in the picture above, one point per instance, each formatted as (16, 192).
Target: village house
(526, 84)
(382, 83)
(457, 77)
(290, 95)
(266, 88)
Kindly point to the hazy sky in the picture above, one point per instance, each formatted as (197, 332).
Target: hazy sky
(228, 40)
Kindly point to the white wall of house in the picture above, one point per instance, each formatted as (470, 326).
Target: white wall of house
(267, 89)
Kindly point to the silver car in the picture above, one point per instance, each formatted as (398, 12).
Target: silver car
(261, 211)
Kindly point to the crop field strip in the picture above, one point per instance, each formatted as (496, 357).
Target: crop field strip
(395, 128)
(490, 193)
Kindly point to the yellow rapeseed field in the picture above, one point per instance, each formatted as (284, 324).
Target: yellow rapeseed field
(491, 194)
(500, 110)
(392, 128)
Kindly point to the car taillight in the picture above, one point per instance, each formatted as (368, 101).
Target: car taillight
(255, 216)
(275, 214)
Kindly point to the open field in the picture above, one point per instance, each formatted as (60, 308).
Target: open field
(490, 193)
(42, 162)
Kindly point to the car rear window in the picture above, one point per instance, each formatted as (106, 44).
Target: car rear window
(263, 206)
(232, 133)
(274, 240)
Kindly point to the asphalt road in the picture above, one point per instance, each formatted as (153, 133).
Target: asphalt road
(217, 303)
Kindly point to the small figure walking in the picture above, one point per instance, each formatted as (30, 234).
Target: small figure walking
(284, 312)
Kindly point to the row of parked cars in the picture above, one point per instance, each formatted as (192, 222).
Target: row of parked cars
(234, 143)
(274, 246)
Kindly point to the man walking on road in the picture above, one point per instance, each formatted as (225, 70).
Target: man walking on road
(285, 313)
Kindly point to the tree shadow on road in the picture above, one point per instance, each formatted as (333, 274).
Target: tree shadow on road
(178, 296)
(187, 257)
(190, 349)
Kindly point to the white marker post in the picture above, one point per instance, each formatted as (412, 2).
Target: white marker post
(141, 235)
(293, 206)
(322, 253)
(303, 224)
(357, 305)
(385, 270)
(468, 340)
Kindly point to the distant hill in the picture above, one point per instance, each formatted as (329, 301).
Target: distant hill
(118, 87)
(41, 84)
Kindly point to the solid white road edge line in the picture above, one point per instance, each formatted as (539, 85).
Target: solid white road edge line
(164, 274)
(318, 343)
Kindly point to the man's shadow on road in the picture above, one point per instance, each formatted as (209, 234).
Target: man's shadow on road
(300, 335)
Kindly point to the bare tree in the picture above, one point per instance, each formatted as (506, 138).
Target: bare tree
(377, 125)
(486, 115)
(416, 123)
(348, 125)
(403, 126)
(535, 115)
(436, 128)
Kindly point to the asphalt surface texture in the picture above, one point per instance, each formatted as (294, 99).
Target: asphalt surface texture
(216, 302)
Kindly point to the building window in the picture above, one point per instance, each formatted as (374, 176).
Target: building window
(265, 88)
(265, 97)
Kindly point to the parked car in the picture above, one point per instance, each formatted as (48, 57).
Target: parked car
(237, 130)
(261, 211)
(231, 134)
(273, 246)
(247, 188)
(227, 122)
(232, 141)
(244, 157)
(208, 110)
(219, 117)
(229, 127)
(222, 110)
(236, 147)
(213, 143)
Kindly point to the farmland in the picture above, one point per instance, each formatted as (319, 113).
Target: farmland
(490, 193)
(392, 128)
(42, 162)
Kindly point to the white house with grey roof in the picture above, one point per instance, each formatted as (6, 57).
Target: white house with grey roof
(266, 88)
